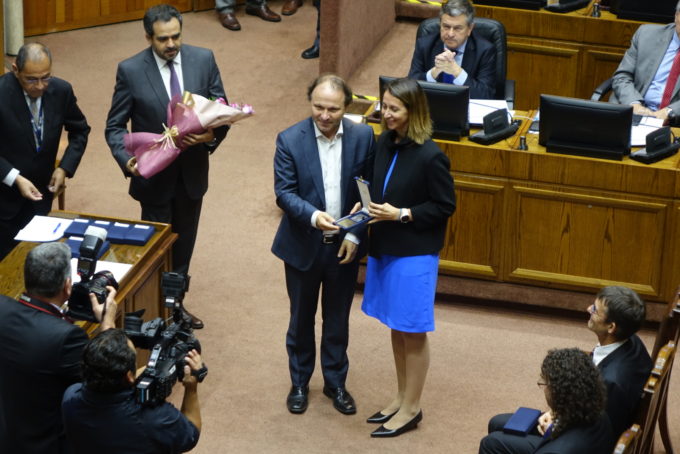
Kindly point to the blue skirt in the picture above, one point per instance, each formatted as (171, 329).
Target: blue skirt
(399, 291)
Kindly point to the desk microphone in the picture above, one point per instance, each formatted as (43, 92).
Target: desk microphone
(659, 146)
(496, 128)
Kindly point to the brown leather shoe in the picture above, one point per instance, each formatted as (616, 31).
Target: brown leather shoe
(229, 21)
(263, 12)
(291, 7)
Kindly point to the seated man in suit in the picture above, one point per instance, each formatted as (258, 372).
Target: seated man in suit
(456, 55)
(575, 394)
(41, 352)
(647, 77)
(620, 356)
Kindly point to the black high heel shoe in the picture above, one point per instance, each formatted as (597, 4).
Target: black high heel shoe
(382, 432)
(380, 418)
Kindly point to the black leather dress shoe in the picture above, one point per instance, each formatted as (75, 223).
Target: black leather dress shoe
(312, 52)
(263, 12)
(380, 418)
(342, 400)
(382, 432)
(297, 399)
(196, 323)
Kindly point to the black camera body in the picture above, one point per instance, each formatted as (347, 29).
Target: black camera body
(79, 307)
(169, 344)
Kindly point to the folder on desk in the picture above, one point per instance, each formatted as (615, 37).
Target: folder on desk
(139, 234)
(522, 421)
(77, 227)
(118, 232)
(74, 243)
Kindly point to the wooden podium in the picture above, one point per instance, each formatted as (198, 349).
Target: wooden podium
(139, 288)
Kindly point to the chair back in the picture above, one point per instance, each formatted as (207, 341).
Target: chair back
(654, 398)
(489, 29)
(669, 328)
(628, 441)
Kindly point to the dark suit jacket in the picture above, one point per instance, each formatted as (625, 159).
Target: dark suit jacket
(479, 61)
(625, 372)
(595, 439)
(298, 183)
(18, 147)
(40, 358)
(421, 180)
(140, 97)
(639, 65)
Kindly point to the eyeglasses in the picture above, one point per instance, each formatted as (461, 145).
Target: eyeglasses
(34, 80)
(541, 384)
(592, 309)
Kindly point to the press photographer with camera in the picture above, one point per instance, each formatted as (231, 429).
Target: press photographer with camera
(41, 351)
(106, 400)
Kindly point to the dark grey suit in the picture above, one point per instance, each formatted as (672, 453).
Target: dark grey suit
(175, 194)
(18, 149)
(639, 65)
(40, 358)
(309, 264)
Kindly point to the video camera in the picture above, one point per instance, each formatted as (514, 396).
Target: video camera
(169, 344)
(79, 306)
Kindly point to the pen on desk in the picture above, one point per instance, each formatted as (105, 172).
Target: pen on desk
(56, 228)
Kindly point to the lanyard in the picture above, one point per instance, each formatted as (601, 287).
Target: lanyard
(37, 126)
(389, 172)
(26, 301)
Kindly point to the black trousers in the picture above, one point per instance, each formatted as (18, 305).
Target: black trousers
(183, 213)
(336, 283)
(10, 227)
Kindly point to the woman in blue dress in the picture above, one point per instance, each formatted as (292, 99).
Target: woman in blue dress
(413, 198)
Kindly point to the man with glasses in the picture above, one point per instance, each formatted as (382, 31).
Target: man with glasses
(35, 108)
(620, 356)
(456, 55)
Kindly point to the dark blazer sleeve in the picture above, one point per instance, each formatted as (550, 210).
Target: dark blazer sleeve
(77, 130)
(441, 202)
(479, 62)
(119, 114)
(423, 56)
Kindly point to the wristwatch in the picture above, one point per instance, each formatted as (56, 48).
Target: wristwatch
(403, 215)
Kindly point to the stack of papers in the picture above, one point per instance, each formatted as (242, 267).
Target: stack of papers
(638, 134)
(42, 229)
(479, 108)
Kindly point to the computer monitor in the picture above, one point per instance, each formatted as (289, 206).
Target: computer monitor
(662, 11)
(448, 107)
(521, 4)
(585, 128)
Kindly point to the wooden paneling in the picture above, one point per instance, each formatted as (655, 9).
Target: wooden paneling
(473, 242)
(46, 16)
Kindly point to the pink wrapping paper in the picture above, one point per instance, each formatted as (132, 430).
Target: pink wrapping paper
(187, 115)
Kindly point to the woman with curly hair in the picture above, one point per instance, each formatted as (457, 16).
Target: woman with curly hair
(576, 396)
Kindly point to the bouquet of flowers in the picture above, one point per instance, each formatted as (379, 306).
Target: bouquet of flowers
(188, 114)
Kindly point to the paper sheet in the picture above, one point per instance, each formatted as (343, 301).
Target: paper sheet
(43, 229)
(118, 269)
(478, 108)
(638, 134)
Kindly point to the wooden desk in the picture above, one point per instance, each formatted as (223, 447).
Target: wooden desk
(563, 222)
(139, 288)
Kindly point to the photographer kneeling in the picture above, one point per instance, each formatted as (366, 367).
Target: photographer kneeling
(101, 414)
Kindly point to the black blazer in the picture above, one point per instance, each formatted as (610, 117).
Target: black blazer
(141, 98)
(625, 372)
(39, 358)
(18, 147)
(594, 439)
(479, 61)
(421, 180)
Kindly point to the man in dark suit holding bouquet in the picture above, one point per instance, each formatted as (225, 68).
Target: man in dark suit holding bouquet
(145, 83)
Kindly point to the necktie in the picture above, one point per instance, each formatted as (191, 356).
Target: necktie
(36, 123)
(671, 82)
(34, 110)
(174, 81)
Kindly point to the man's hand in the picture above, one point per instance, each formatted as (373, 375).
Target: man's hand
(348, 250)
(662, 114)
(26, 189)
(383, 212)
(194, 363)
(194, 139)
(355, 208)
(131, 166)
(445, 62)
(57, 181)
(105, 313)
(324, 221)
(639, 109)
(544, 422)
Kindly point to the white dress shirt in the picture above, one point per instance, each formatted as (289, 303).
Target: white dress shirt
(165, 71)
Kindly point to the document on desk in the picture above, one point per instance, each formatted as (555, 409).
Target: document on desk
(478, 108)
(43, 229)
(117, 269)
(638, 133)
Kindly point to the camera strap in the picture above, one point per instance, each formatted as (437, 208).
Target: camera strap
(43, 307)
